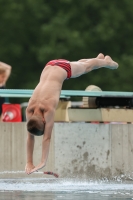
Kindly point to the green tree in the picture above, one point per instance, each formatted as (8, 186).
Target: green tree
(34, 32)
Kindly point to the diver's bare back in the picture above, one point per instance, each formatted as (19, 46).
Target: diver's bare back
(47, 92)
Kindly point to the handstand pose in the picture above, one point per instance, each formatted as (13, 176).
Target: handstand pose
(43, 103)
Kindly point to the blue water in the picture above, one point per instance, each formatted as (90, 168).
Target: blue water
(61, 189)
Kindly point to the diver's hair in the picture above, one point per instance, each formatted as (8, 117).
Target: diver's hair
(36, 126)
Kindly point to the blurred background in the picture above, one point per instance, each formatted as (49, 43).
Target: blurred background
(34, 32)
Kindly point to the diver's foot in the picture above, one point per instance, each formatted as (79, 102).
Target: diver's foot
(100, 56)
(110, 63)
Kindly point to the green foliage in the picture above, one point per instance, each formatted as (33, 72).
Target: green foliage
(34, 32)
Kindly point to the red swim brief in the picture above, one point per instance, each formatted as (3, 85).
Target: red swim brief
(65, 64)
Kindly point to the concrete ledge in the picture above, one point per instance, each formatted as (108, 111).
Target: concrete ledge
(81, 150)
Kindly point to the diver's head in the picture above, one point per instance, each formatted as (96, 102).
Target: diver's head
(36, 125)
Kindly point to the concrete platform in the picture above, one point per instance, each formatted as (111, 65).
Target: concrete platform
(79, 150)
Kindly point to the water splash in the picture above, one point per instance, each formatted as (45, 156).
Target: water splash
(65, 185)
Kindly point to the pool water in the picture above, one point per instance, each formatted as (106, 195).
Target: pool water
(63, 189)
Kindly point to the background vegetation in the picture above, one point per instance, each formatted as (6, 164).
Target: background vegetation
(34, 32)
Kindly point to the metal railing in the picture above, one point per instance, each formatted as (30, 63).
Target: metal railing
(65, 93)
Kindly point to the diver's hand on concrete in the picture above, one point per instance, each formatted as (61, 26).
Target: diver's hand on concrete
(38, 167)
(29, 167)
